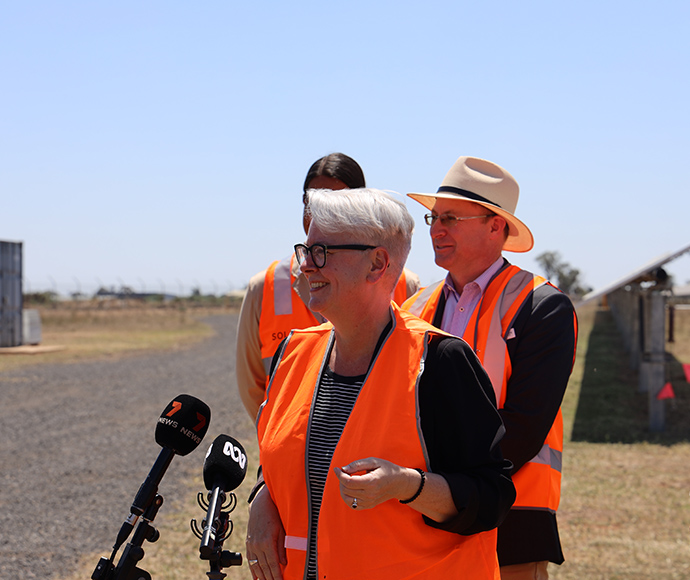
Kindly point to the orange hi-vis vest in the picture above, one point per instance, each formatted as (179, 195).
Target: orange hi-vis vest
(538, 482)
(390, 541)
(283, 310)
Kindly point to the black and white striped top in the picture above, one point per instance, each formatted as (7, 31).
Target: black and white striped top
(335, 398)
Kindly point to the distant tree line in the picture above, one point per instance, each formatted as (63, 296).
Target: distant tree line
(567, 278)
(126, 295)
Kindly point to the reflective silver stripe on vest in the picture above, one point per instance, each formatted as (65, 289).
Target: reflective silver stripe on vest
(494, 357)
(423, 297)
(282, 288)
(509, 324)
(267, 364)
(550, 457)
(282, 296)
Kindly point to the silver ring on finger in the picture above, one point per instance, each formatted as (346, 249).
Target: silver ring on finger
(252, 562)
(354, 503)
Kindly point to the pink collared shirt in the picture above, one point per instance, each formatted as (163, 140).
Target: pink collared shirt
(459, 306)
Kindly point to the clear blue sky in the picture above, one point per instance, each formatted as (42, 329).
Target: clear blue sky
(163, 144)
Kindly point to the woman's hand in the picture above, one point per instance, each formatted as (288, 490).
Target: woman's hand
(372, 481)
(265, 545)
(366, 483)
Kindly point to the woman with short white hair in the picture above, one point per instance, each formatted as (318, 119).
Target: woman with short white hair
(379, 433)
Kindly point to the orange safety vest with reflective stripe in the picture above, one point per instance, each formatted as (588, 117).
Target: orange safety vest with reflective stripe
(538, 482)
(390, 541)
(283, 310)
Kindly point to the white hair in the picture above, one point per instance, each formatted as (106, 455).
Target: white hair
(373, 216)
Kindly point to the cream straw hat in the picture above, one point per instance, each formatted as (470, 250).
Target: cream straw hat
(489, 185)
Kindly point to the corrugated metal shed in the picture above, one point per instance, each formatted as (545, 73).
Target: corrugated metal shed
(11, 301)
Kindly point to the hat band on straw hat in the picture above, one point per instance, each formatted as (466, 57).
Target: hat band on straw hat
(465, 193)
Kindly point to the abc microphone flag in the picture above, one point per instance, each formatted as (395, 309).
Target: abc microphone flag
(225, 465)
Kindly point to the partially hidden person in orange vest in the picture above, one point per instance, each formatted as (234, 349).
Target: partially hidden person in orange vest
(524, 331)
(379, 434)
(276, 298)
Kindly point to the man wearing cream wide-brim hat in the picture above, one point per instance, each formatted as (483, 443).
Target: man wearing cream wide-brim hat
(524, 331)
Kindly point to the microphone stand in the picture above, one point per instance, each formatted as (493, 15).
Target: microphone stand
(217, 529)
(127, 566)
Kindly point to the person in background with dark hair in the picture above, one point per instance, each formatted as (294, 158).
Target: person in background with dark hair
(277, 298)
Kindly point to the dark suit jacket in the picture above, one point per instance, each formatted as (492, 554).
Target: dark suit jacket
(541, 355)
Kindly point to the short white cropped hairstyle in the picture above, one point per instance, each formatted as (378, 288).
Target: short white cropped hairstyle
(372, 216)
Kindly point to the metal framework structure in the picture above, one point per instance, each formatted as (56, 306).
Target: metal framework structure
(638, 303)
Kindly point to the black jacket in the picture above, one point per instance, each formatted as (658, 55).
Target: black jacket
(541, 355)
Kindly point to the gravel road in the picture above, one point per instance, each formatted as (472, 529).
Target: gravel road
(77, 441)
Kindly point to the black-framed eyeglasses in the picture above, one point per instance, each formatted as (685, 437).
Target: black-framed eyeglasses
(448, 220)
(318, 251)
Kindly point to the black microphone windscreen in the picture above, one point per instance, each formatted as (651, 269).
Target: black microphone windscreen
(183, 424)
(225, 465)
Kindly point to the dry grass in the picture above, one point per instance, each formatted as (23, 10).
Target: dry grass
(88, 331)
(625, 512)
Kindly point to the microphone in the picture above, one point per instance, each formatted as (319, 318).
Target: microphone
(224, 469)
(180, 428)
(225, 465)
